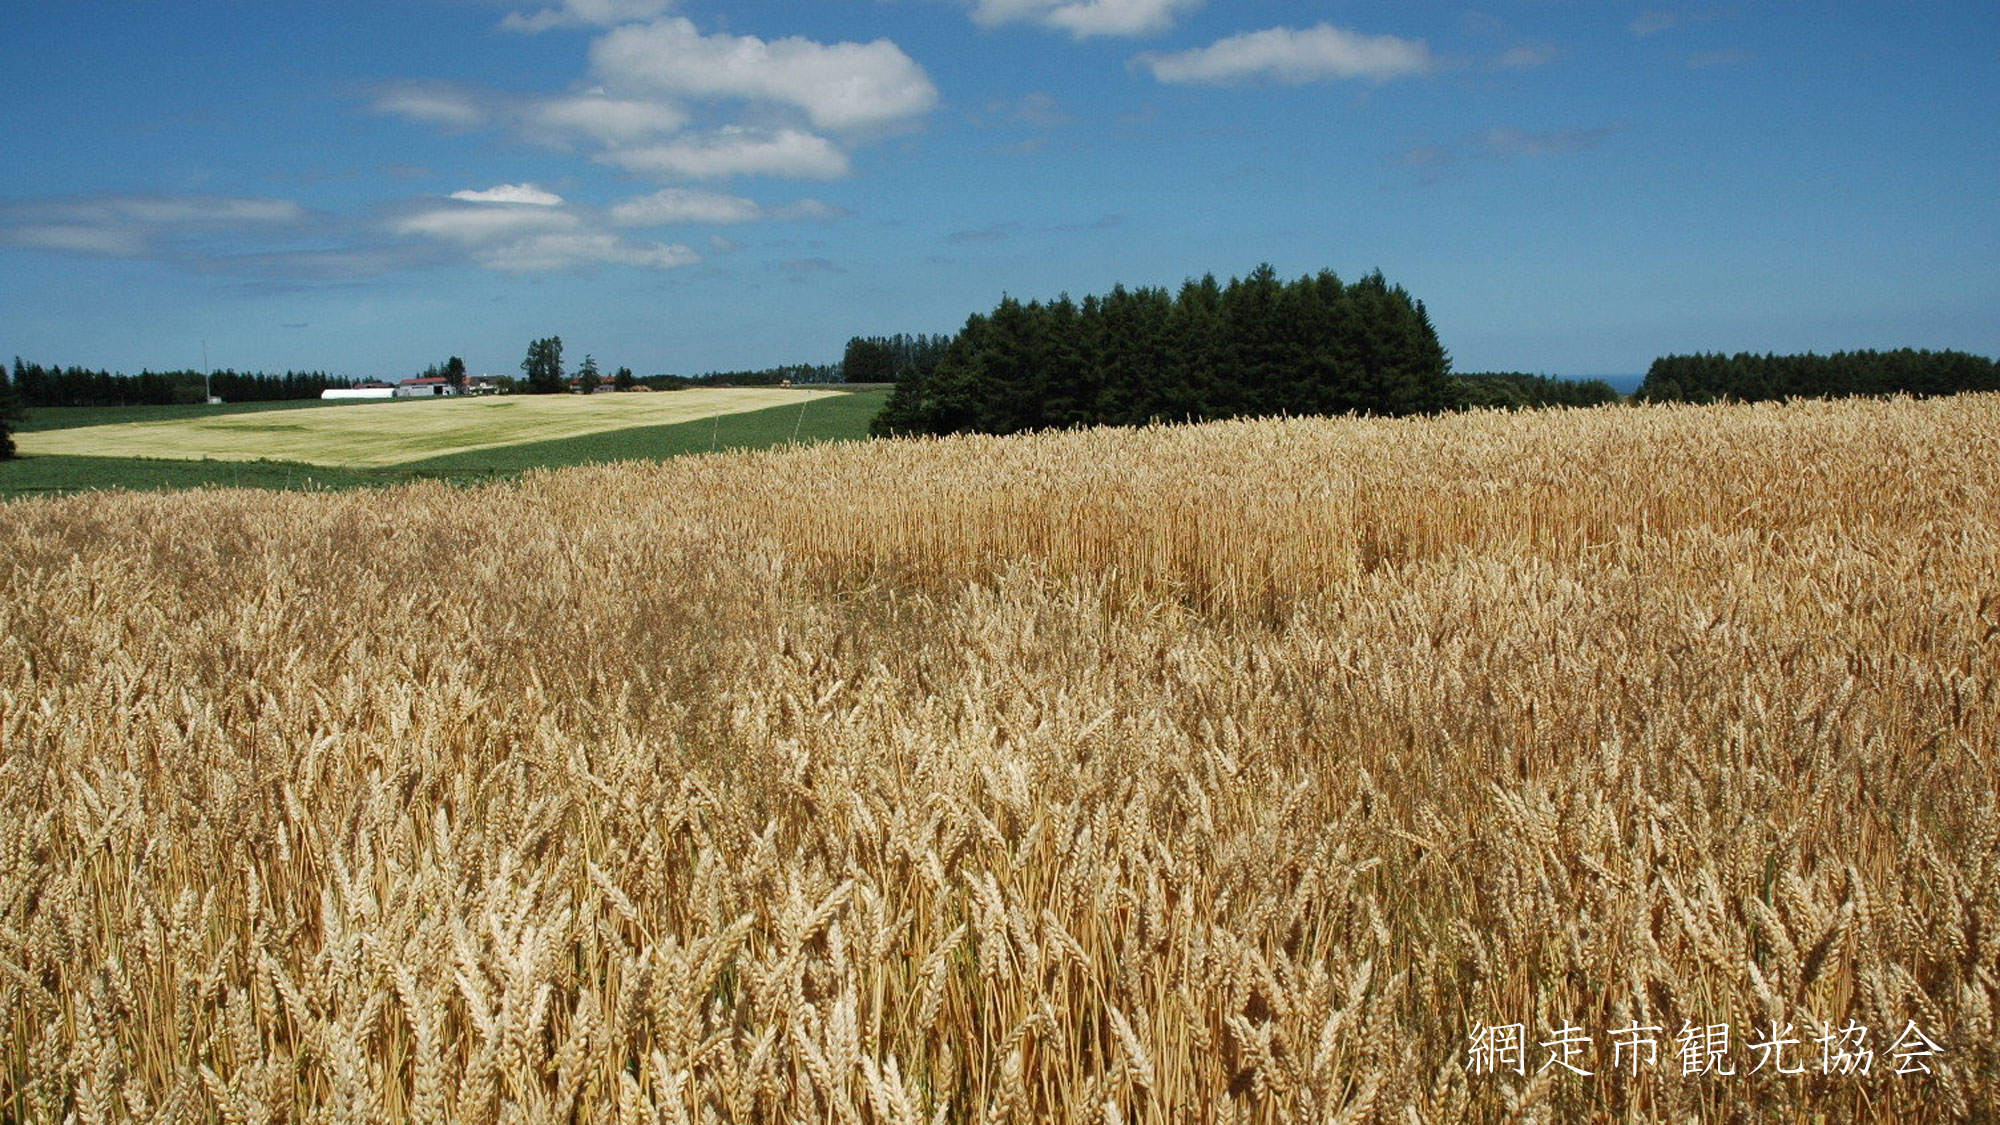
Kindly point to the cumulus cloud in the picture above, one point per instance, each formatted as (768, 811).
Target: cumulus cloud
(1084, 18)
(511, 193)
(684, 205)
(735, 150)
(1315, 54)
(587, 13)
(839, 85)
(791, 107)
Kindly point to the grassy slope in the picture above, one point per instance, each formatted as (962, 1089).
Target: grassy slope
(842, 417)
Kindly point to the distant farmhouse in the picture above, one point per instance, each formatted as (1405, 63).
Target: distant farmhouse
(372, 388)
(425, 387)
(429, 386)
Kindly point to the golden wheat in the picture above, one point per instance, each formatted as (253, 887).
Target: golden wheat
(1223, 773)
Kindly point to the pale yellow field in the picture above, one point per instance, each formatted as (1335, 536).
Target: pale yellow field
(373, 435)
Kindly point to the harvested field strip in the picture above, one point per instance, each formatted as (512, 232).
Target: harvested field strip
(391, 433)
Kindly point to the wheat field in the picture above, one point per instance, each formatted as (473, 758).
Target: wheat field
(1249, 772)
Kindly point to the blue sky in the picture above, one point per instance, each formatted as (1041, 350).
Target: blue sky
(1571, 186)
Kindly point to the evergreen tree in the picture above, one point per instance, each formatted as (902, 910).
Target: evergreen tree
(11, 412)
(1257, 346)
(543, 367)
(868, 360)
(454, 373)
(624, 379)
(587, 378)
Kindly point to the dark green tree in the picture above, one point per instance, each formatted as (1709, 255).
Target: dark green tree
(587, 378)
(10, 412)
(624, 380)
(868, 360)
(544, 368)
(454, 373)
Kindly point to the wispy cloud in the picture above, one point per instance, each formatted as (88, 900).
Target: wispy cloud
(1000, 233)
(1507, 140)
(587, 13)
(1296, 56)
(1525, 56)
(1435, 162)
(1427, 164)
(1655, 20)
(1729, 57)
(442, 104)
(520, 228)
(139, 226)
(1086, 18)
(800, 267)
(511, 193)
(1036, 109)
(571, 249)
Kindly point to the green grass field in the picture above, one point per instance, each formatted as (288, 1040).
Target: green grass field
(815, 417)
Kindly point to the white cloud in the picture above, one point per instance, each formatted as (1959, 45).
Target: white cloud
(434, 103)
(165, 210)
(1281, 54)
(610, 122)
(546, 252)
(684, 205)
(838, 85)
(531, 237)
(587, 13)
(132, 226)
(511, 193)
(736, 151)
(482, 226)
(1084, 18)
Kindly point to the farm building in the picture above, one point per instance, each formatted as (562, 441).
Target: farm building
(427, 387)
(370, 389)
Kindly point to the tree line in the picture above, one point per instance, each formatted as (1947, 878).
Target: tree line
(1745, 377)
(39, 386)
(1512, 390)
(1256, 346)
(891, 359)
(542, 373)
